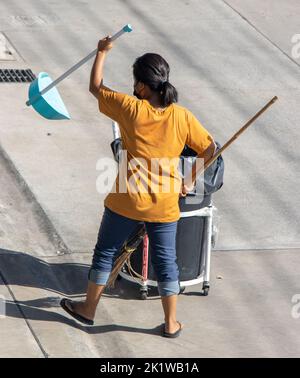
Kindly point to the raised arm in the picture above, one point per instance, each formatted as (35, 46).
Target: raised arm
(96, 77)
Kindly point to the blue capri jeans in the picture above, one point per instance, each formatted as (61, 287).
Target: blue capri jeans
(115, 229)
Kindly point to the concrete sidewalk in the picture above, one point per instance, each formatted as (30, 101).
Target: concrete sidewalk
(248, 313)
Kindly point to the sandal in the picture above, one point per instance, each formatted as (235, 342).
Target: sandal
(174, 334)
(78, 317)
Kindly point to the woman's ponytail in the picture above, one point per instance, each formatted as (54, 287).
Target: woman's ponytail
(168, 94)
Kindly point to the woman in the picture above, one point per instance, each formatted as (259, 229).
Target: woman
(152, 127)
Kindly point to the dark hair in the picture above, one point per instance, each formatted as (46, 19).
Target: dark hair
(152, 70)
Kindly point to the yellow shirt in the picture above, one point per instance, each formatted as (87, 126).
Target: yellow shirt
(147, 133)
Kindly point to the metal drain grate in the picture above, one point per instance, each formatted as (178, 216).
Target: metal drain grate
(16, 76)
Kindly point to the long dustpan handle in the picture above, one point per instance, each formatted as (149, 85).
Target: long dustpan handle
(126, 29)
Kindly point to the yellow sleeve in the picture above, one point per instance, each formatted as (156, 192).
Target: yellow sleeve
(112, 103)
(198, 138)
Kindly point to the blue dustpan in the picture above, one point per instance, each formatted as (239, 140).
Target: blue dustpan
(49, 105)
(43, 95)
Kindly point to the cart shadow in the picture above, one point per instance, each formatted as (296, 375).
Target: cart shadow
(193, 293)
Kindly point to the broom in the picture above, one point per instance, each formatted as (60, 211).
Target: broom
(128, 248)
(131, 245)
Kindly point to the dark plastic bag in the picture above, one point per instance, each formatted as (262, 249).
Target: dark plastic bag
(213, 175)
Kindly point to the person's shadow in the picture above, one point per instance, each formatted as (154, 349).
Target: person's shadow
(63, 279)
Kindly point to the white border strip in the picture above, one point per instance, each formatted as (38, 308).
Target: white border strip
(204, 212)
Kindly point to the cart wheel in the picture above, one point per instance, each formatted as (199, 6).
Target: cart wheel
(182, 288)
(144, 295)
(144, 292)
(205, 288)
